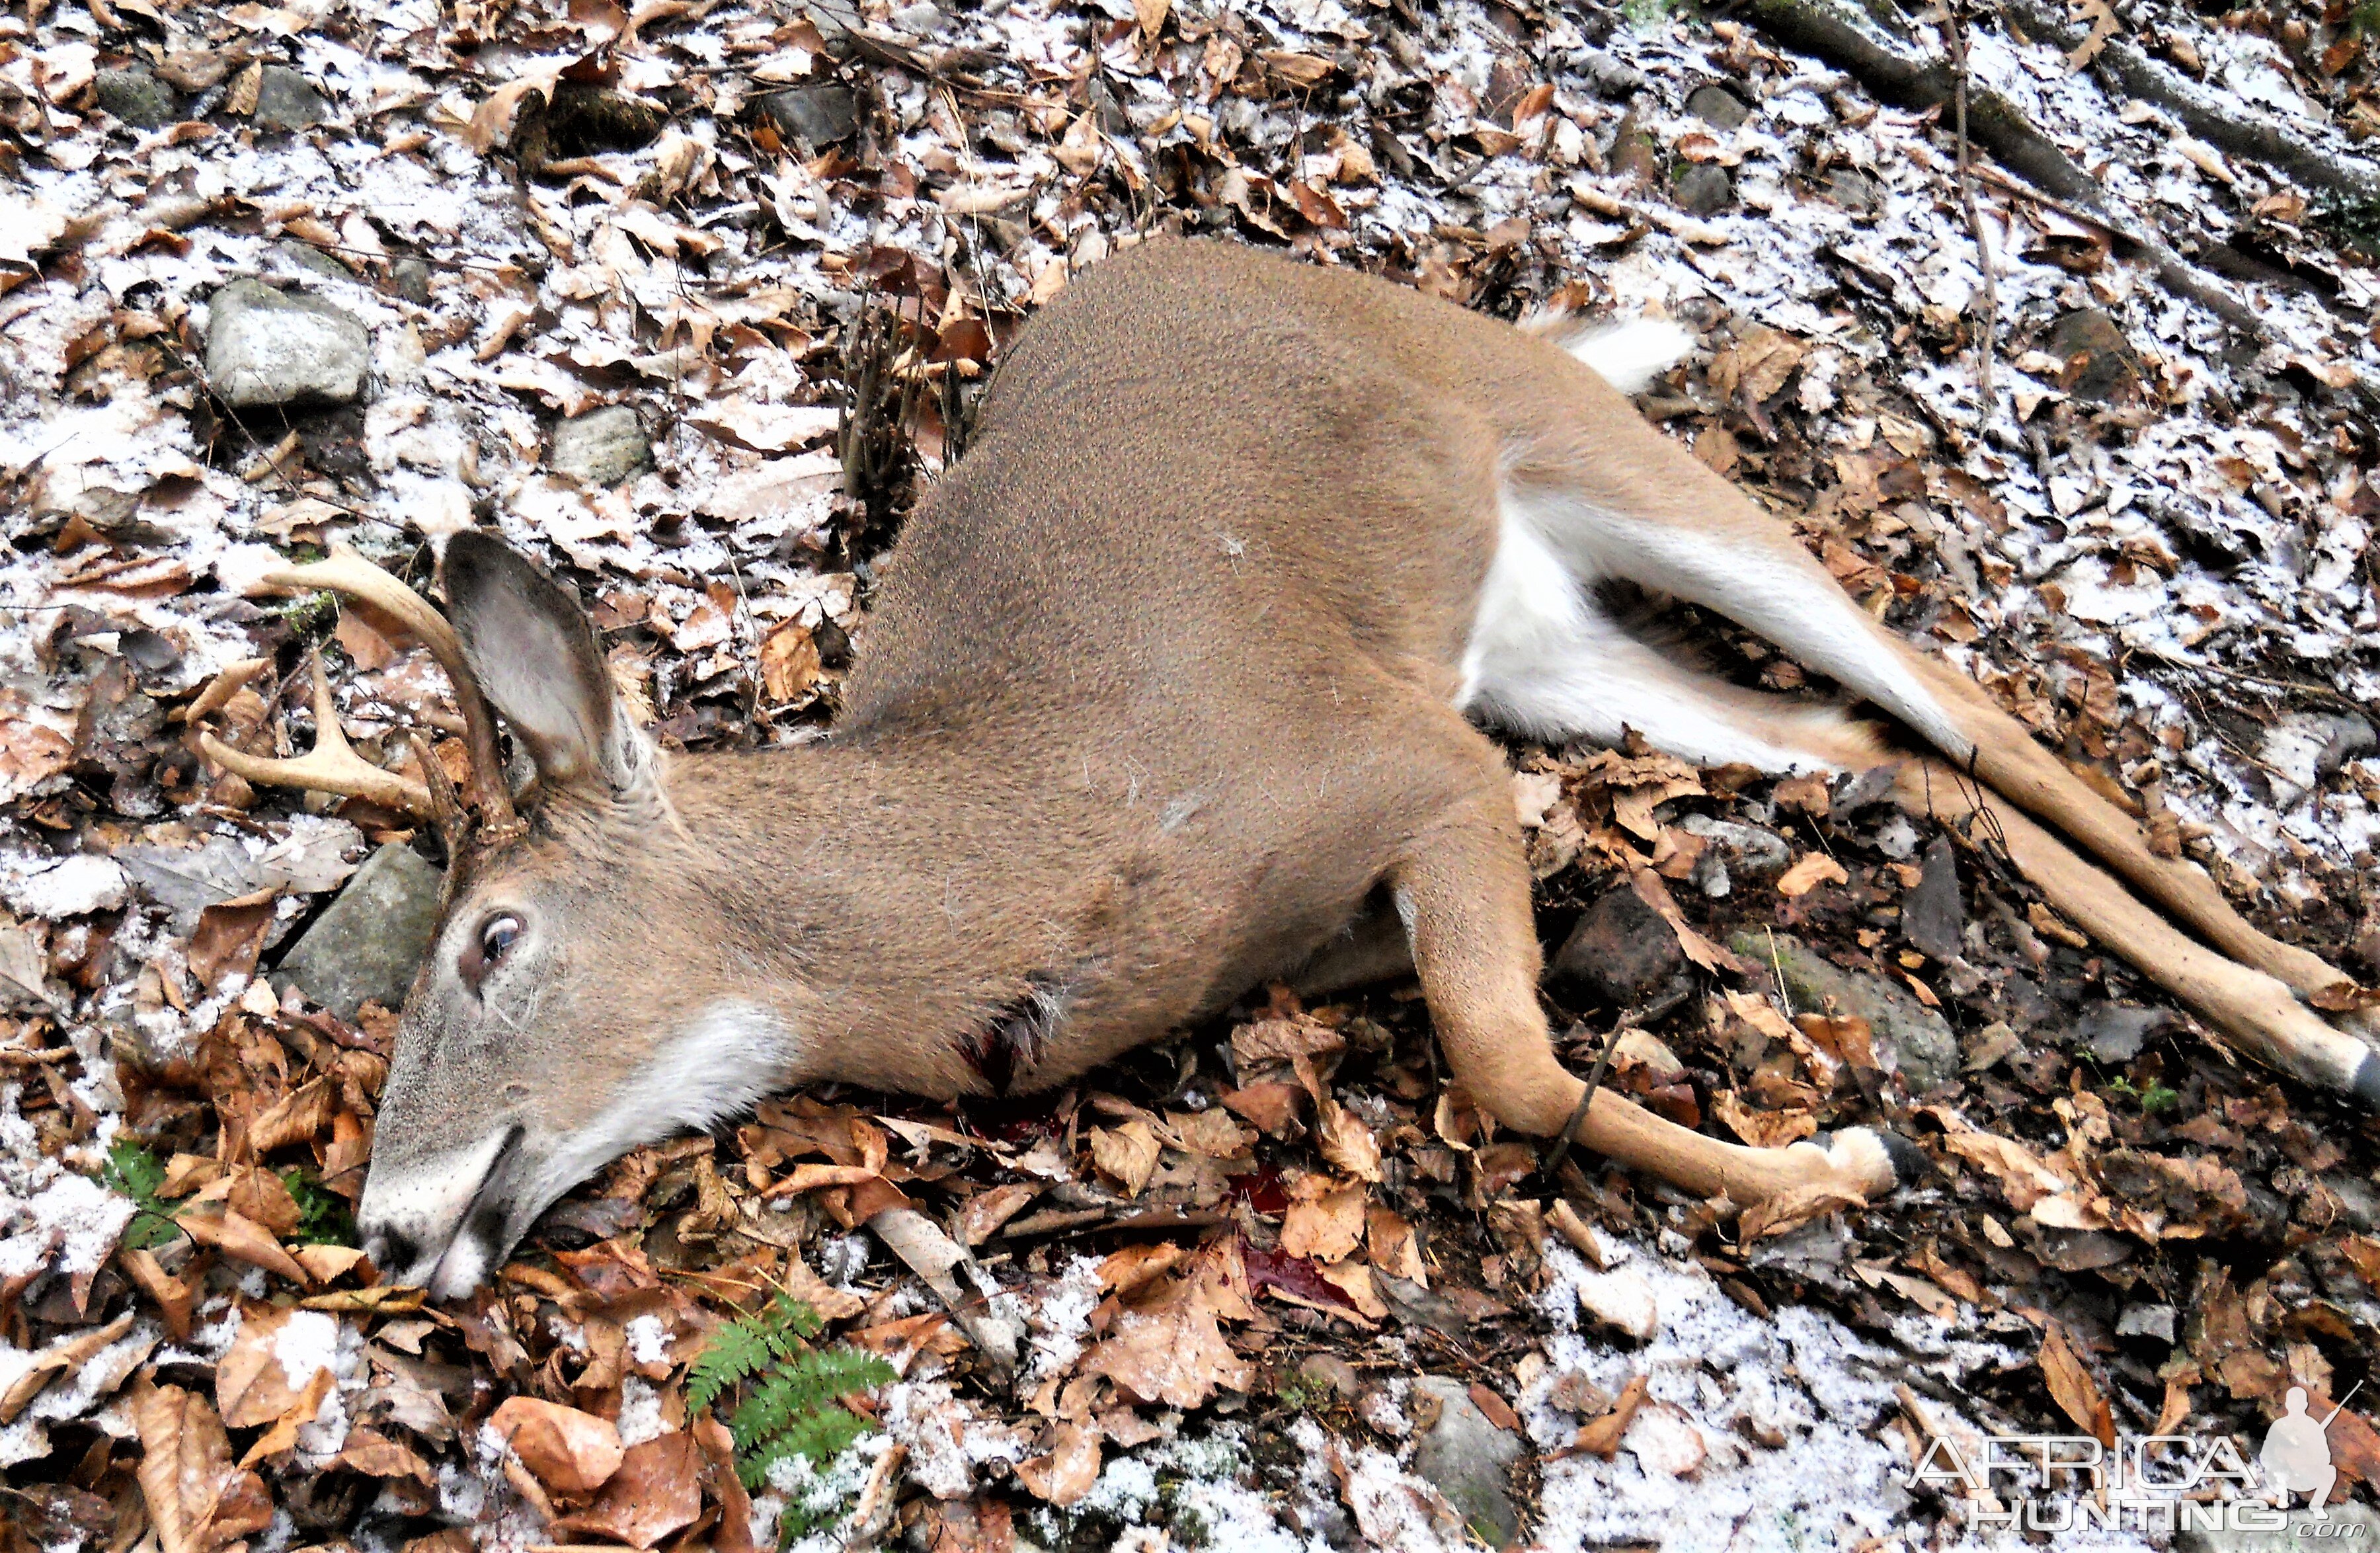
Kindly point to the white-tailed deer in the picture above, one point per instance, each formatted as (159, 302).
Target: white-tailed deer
(1169, 676)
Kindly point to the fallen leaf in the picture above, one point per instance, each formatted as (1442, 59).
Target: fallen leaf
(569, 1451)
(59, 1358)
(198, 1500)
(2072, 1389)
(656, 1490)
(1170, 1350)
(1813, 869)
(1126, 1154)
(1326, 1227)
(1067, 1473)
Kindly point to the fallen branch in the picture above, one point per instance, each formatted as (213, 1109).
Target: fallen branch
(1955, 30)
(1852, 42)
(2223, 122)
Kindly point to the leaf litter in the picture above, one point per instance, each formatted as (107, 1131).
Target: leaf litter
(615, 268)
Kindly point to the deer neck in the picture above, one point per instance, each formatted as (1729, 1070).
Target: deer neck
(888, 901)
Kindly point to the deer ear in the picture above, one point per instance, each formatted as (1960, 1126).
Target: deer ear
(534, 654)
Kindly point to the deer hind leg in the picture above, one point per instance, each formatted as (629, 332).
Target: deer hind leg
(1462, 891)
(1735, 559)
(2257, 1009)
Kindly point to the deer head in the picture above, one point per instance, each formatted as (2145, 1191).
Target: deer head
(539, 1040)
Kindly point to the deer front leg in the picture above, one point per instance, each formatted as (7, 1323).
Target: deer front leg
(2254, 1008)
(1462, 891)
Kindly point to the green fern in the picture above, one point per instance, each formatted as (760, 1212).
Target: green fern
(789, 1407)
(131, 1171)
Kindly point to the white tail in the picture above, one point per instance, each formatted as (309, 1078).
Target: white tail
(1166, 686)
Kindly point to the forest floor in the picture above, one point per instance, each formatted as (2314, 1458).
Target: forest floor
(685, 299)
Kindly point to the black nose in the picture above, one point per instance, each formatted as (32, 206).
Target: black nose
(392, 1250)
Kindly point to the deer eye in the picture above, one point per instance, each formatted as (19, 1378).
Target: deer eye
(497, 935)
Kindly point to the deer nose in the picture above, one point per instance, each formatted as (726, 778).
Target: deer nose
(390, 1249)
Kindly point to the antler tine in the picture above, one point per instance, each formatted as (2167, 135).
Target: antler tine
(331, 766)
(347, 572)
(446, 811)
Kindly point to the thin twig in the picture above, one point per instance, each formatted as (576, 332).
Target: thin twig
(1989, 343)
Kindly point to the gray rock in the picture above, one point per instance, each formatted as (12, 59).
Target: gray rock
(1623, 950)
(2298, 1535)
(2301, 748)
(273, 347)
(1465, 1457)
(410, 277)
(1715, 104)
(921, 20)
(1749, 851)
(286, 100)
(1633, 153)
(1853, 189)
(2108, 366)
(2115, 1033)
(306, 256)
(812, 116)
(136, 97)
(602, 447)
(1910, 1037)
(1704, 188)
(1932, 916)
(2147, 1321)
(367, 946)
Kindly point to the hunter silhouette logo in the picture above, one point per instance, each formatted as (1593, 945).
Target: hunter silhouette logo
(2296, 1457)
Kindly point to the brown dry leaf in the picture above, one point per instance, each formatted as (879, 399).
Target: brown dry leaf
(1392, 1245)
(1355, 1280)
(1757, 366)
(1284, 1040)
(1127, 1271)
(491, 122)
(282, 1436)
(2363, 1251)
(567, 1450)
(789, 663)
(1210, 1133)
(230, 936)
(198, 1500)
(657, 1490)
(1170, 1349)
(1067, 1473)
(1700, 950)
(1347, 1143)
(2072, 1389)
(1324, 1225)
(1270, 1108)
(2104, 26)
(1762, 1129)
(985, 1212)
(241, 1238)
(1126, 1154)
(1601, 1437)
(252, 1385)
(1848, 1041)
(1789, 1210)
(298, 1117)
(61, 1358)
(1813, 869)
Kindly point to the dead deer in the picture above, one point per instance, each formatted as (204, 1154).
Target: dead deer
(1181, 665)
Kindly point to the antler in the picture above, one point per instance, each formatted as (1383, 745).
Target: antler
(334, 767)
(331, 766)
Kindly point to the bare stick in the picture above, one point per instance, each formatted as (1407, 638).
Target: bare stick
(1988, 345)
